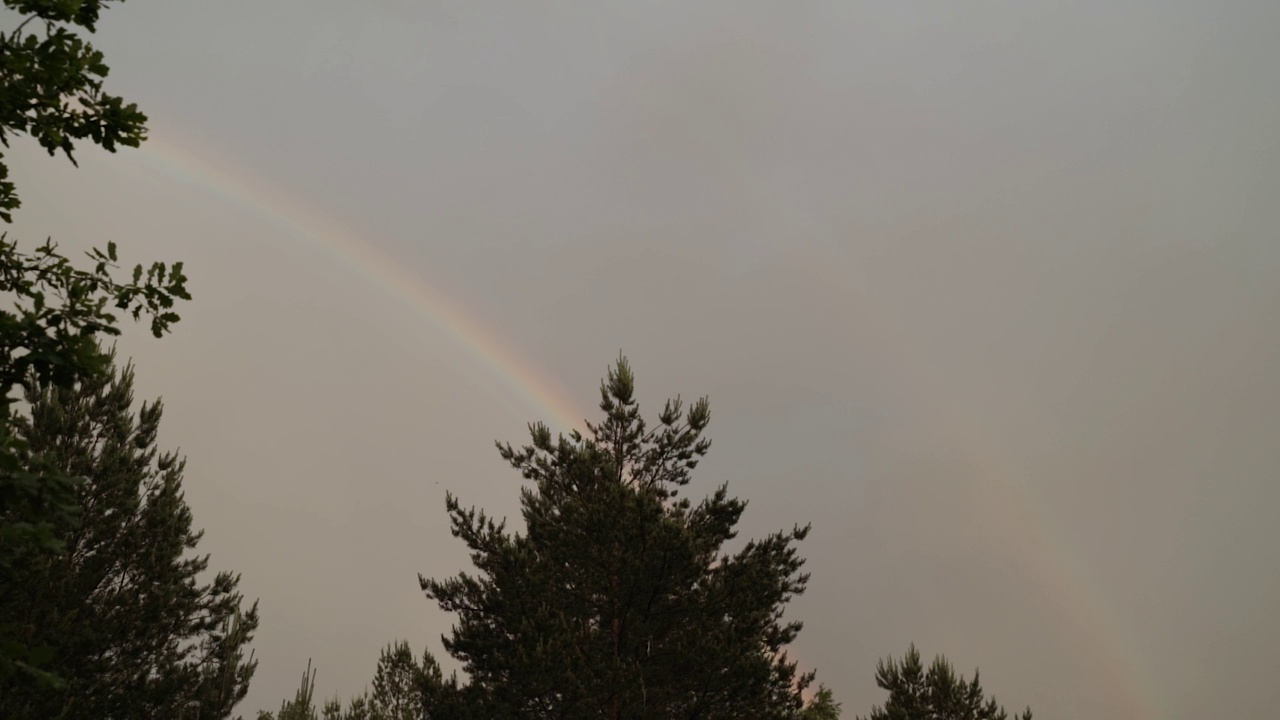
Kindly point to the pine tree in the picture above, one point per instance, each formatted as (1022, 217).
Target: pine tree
(823, 706)
(302, 706)
(620, 599)
(938, 694)
(401, 684)
(133, 627)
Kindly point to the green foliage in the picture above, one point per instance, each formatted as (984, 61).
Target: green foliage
(51, 86)
(401, 686)
(823, 706)
(620, 599)
(59, 311)
(49, 337)
(938, 694)
(302, 707)
(51, 89)
(125, 619)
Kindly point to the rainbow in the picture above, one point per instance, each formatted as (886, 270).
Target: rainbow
(180, 158)
(183, 159)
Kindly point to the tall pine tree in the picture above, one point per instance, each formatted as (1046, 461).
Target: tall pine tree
(934, 694)
(620, 599)
(134, 628)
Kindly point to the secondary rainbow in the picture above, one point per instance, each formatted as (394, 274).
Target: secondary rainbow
(183, 159)
(1046, 553)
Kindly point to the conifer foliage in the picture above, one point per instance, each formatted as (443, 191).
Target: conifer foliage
(131, 626)
(398, 685)
(936, 694)
(823, 706)
(401, 686)
(620, 599)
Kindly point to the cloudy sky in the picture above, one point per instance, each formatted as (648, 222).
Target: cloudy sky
(987, 291)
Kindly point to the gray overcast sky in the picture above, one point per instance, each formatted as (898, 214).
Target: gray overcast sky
(986, 290)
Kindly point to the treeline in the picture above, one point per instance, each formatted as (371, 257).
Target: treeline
(618, 599)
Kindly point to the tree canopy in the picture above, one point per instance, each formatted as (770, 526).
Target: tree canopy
(936, 694)
(51, 86)
(401, 687)
(127, 619)
(620, 599)
(823, 706)
(51, 90)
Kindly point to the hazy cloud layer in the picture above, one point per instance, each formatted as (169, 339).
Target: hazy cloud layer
(987, 291)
